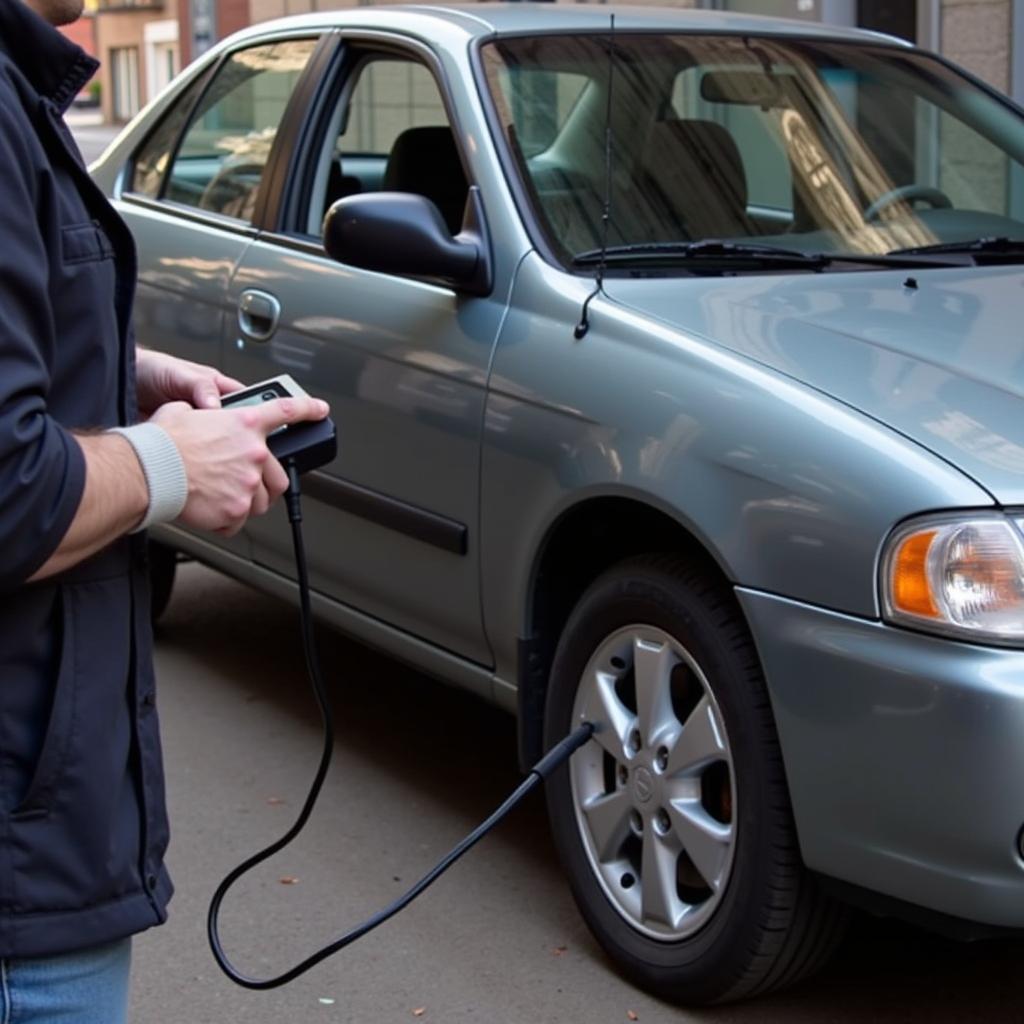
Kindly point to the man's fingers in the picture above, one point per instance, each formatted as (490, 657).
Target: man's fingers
(207, 390)
(260, 501)
(275, 479)
(280, 411)
(225, 384)
(205, 395)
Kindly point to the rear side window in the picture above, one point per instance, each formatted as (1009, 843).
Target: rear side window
(219, 163)
(154, 158)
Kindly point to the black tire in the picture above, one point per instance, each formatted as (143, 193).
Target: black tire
(760, 922)
(163, 563)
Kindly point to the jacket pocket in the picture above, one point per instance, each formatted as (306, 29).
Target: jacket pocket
(84, 243)
(57, 737)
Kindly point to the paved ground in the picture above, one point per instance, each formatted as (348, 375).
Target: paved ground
(497, 940)
(92, 135)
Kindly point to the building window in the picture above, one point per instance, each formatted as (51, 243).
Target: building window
(165, 65)
(124, 71)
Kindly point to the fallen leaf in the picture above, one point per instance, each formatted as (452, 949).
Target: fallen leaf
(419, 1011)
(288, 880)
(559, 950)
(631, 1015)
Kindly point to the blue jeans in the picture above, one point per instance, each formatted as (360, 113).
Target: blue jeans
(87, 987)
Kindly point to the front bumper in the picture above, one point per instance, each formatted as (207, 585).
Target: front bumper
(904, 755)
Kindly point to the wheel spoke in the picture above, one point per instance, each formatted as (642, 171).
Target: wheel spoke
(608, 820)
(613, 721)
(699, 741)
(660, 901)
(707, 842)
(652, 671)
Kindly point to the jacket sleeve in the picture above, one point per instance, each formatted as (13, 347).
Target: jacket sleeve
(42, 467)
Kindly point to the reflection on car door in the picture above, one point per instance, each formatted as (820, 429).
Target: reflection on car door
(392, 524)
(192, 194)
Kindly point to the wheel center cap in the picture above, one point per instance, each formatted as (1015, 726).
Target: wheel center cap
(643, 784)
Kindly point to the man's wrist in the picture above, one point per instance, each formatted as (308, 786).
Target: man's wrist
(163, 468)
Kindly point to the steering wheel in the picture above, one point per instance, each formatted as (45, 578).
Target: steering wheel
(908, 194)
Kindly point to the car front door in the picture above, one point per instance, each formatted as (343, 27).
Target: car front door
(392, 524)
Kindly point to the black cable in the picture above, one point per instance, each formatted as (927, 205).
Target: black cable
(540, 771)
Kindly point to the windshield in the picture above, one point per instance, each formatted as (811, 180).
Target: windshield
(819, 147)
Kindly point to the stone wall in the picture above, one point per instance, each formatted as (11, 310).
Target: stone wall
(976, 34)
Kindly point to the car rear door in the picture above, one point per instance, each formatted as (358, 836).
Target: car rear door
(392, 524)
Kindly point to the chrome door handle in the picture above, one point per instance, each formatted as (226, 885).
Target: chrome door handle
(258, 314)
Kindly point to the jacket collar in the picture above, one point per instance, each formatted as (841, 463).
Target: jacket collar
(53, 65)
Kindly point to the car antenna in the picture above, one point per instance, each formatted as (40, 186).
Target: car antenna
(584, 323)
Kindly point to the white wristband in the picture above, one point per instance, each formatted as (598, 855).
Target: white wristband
(163, 468)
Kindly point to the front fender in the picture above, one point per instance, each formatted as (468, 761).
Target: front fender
(790, 491)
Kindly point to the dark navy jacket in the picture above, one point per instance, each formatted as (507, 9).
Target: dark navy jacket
(82, 820)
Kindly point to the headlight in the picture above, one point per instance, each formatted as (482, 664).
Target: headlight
(961, 575)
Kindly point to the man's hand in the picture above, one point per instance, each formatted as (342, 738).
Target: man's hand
(231, 473)
(160, 378)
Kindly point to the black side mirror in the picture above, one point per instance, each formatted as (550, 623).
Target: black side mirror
(404, 233)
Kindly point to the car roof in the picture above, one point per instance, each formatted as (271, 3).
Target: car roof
(488, 19)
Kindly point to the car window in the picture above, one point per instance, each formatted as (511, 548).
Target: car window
(220, 161)
(389, 96)
(153, 159)
(391, 132)
(917, 141)
(758, 136)
(543, 99)
(811, 145)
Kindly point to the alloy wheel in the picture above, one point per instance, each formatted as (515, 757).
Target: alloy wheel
(654, 790)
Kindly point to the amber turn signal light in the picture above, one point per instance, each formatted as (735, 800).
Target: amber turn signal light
(911, 589)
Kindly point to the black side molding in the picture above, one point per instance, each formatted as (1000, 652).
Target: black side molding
(428, 527)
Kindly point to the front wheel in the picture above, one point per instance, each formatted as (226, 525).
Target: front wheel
(673, 822)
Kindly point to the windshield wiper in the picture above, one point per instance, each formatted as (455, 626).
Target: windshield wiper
(999, 244)
(705, 249)
(713, 251)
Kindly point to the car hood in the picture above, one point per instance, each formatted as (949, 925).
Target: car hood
(935, 354)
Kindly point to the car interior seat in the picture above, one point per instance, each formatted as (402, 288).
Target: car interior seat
(698, 186)
(426, 161)
(339, 184)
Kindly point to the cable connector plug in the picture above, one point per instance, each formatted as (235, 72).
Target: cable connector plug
(562, 751)
(293, 496)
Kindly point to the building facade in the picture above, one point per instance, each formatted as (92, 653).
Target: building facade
(137, 44)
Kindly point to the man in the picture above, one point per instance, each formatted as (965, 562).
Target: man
(82, 819)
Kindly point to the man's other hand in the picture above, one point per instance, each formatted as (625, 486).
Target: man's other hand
(231, 473)
(162, 378)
